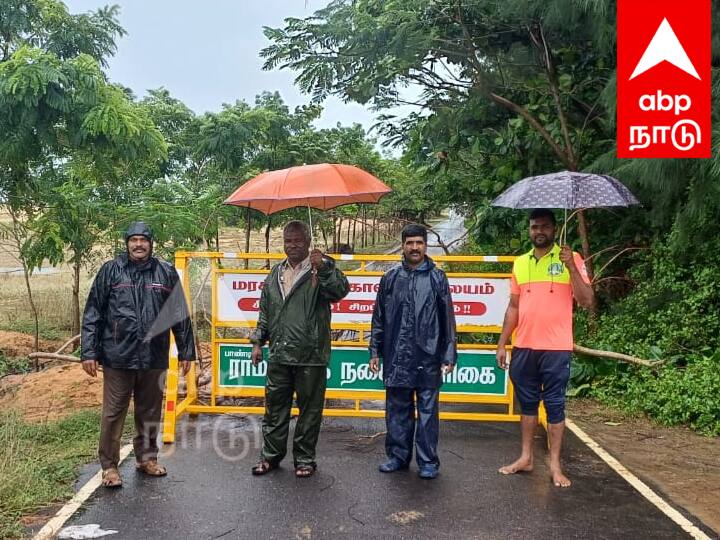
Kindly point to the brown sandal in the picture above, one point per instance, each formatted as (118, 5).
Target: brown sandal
(305, 470)
(263, 467)
(111, 478)
(151, 468)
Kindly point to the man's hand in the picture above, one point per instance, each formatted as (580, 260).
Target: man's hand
(256, 354)
(501, 357)
(185, 366)
(316, 259)
(375, 365)
(90, 367)
(566, 257)
(447, 368)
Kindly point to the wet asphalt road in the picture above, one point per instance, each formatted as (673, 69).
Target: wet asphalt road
(210, 493)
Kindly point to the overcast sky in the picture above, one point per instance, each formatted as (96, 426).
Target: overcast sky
(205, 52)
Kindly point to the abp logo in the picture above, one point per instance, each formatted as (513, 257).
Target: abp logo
(663, 79)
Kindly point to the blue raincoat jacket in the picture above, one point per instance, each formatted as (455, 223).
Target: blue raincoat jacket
(413, 326)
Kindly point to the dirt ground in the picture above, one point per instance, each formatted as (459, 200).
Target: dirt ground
(681, 464)
(19, 345)
(52, 393)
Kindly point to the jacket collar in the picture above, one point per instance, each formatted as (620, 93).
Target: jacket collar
(554, 253)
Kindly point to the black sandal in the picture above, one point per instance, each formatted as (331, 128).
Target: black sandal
(306, 470)
(263, 467)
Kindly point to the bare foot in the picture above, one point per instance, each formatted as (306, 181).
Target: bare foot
(559, 479)
(521, 465)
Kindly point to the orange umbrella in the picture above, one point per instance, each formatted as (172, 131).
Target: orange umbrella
(322, 186)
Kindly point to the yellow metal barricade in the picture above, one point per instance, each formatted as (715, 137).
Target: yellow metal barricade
(475, 383)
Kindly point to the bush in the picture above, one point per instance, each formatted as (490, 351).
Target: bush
(673, 314)
(671, 395)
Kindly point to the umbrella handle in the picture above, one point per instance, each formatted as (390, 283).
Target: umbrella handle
(313, 272)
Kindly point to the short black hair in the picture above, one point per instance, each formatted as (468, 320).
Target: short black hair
(413, 229)
(297, 226)
(543, 212)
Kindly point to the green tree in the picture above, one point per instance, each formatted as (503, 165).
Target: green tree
(58, 113)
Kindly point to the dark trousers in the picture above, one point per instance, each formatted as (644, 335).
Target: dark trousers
(541, 375)
(146, 386)
(309, 383)
(400, 405)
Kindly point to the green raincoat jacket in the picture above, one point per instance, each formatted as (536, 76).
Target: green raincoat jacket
(298, 327)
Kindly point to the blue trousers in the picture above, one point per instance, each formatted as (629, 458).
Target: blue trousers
(400, 406)
(541, 375)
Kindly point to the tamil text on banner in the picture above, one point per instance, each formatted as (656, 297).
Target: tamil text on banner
(663, 79)
(477, 301)
(476, 371)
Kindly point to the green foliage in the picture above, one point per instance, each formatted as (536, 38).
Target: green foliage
(677, 394)
(673, 312)
(12, 365)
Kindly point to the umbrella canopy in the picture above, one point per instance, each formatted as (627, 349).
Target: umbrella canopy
(567, 190)
(323, 186)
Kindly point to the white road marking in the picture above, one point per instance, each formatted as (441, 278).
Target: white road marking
(53, 526)
(638, 484)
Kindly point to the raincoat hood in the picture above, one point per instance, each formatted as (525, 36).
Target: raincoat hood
(138, 228)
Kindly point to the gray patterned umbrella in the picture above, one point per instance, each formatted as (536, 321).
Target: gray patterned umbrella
(566, 189)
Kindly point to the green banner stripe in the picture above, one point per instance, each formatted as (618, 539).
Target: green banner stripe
(476, 371)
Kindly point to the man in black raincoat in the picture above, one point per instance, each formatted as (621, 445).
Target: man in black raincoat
(413, 336)
(134, 302)
(295, 318)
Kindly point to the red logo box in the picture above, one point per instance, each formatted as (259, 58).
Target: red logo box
(663, 79)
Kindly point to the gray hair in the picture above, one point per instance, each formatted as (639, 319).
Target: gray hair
(297, 226)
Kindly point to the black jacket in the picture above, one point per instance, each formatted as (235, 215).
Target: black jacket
(413, 326)
(129, 313)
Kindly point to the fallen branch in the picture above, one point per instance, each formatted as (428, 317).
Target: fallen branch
(53, 356)
(57, 355)
(618, 356)
(71, 341)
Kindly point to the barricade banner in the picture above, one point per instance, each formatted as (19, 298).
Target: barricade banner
(476, 372)
(476, 300)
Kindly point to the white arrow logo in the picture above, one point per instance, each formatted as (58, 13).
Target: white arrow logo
(665, 45)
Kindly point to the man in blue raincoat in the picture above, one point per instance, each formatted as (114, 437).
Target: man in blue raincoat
(413, 336)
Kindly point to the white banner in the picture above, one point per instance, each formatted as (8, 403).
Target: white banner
(477, 301)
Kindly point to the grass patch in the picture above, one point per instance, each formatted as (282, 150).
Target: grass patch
(13, 365)
(39, 463)
(49, 332)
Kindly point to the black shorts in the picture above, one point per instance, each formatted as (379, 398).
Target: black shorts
(541, 375)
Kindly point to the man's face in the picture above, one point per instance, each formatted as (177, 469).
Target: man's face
(542, 232)
(414, 249)
(296, 246)
(138, 248)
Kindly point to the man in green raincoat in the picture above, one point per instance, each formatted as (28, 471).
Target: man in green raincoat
(295, 319)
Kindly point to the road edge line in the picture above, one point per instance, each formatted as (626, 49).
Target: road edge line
(645, 490)
(53, 527)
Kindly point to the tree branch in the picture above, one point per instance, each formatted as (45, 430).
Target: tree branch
(553, 81)
(618, 356)
(544, 133)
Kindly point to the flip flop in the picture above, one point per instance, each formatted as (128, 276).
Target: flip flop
(151, 468)
(111, 478)
(263, 467)
(305, 470)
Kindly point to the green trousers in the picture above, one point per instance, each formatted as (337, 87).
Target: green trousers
(308, 383)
